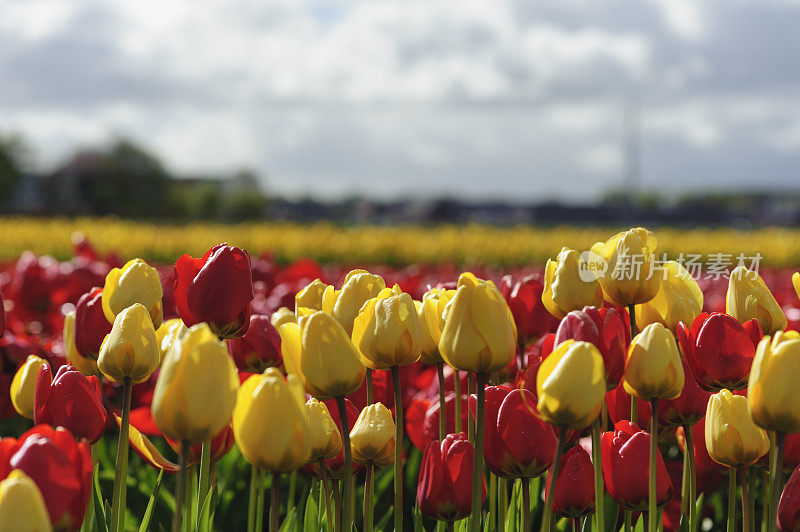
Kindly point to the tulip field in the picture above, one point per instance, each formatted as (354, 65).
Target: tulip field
(318, 377)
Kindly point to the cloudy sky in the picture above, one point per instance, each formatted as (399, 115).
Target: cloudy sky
(473, 98)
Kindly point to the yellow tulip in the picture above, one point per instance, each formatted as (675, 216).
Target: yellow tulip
(431, 318)
(136, 282)
(196, 389)
(653, 368)
(131, 349)
(85, 365)
(170, 331)
(571, 385)
(479, 333)
(748, 297)
(281, 316)
(569, 285)
(796, 283)
(373, 436)
(387, 332)
(629, 278)
(316, 296)
(324, 438)
(772, 389)
(679, 299)
(321, 354)
(732, 439)
(359, 287)
(270, 423)
(22, 507)
(23, 387)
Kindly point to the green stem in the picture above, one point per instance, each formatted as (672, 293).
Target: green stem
(292, 488)
(121, 476)
(692, 492)
(457, 390)
(521, 349)
(275, 503)
(180, 488)
(205, 475)
(652, 511)
(632, 313)
(731, 499)
(320, 509)
(337, 506)
(492, 502)
(470, 420)
(502, 502)
(262, 475)
(526, 504)
(370, 388)
(477, 468)
(88, 519)
(442, 407)
(347, 518)
(744, 473)
(776, 480)
(398, 450)
(685, 482)
(599, 489)
(368, 498)
(751, 490)
(323, 470)
(251, 505)
(547, 519)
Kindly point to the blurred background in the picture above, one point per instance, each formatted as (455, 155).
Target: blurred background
(503, 112)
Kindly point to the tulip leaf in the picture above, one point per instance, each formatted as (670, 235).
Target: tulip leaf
(148, 513)
(512, 512)
(611, 509)
(288, 523)
(311, 519)
(684, 525)
(418, 527)
(640, 524)
(100, 515)
(698, 511)
(204, 523)
(383, 523)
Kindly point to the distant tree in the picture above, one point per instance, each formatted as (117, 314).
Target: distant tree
(13, 155)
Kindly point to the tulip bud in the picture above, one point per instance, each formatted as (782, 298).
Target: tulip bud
(748, 297)
(71, 400)
(130, 351)
(789, 505)
(574, 491)
(324, 438)
(319, 352)
(625, 459)
(444, 490)
(259, 348)
(629, 277)
(87, 366)
(315, 297)
(431, 318)
(136, 282)
(270, 423)
(22, 507)
(196, 389)
(359, 286)
(732, 438)
(23, 387)
(679, 299)
(653, 369)
(217, 289)
(524, 298)
(281, 316)
(772, 390)
(170, 332)
(91, 325)
(387, 332)
(569, 285)
(571, 385)
(479, 334)
(720, 350)
(372, 437)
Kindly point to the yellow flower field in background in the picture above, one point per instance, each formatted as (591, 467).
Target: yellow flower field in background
(364, 244)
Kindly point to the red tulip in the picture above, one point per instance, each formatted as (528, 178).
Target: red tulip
(689, 407)
(525, 301)
(626, 462)
(709, 473)
(517, 443)
(220, 445)
(444, 490)
(618, 403)
(335, 464)
(217, 289)
(606, 329)
(720, 350)
(574, 491)
(91, 324)
(71, 400)
(2, 316)
(60, 467)
(789, 505)
(422, 419)
(259, 348)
